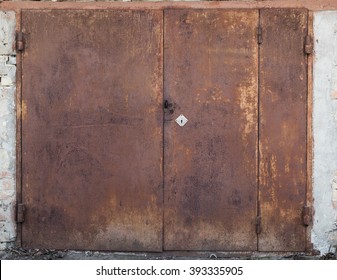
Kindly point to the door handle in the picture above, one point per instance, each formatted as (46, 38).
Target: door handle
(169, 107)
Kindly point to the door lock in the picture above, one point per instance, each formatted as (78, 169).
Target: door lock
(167, 104)
(181, 120)
(169, 108)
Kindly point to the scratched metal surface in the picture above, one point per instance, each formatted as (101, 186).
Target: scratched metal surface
(210, 76)
(92, 130)
(283, 98)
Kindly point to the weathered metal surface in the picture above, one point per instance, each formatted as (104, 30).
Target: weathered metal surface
(309, 197)
(307, 215)
(309, 45)
(92, 130)
(19, 42)
(210, 76)
(101, 5)
(283, 97)
(20, 215)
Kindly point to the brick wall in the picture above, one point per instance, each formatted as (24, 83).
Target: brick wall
(7, 129)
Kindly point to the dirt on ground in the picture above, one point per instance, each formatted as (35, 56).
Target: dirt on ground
(44, 254)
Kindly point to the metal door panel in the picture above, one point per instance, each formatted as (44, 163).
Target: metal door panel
(211, 77)
(92, 136)
(283, 98)
(92, 129)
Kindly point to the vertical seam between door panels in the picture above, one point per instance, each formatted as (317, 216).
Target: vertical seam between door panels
(258, 210)
(306, 125)
(163, 128)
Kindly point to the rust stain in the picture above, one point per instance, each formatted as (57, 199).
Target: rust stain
(210, 164)
(24, 110)
(273, 95)
(248, 101)
(210, 172)
(282, 129)
(100, 155)
(273, 168)
(287, 164)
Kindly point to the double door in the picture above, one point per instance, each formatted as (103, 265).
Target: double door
(174, 129)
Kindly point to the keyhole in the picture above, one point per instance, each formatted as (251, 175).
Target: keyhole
(181, 120)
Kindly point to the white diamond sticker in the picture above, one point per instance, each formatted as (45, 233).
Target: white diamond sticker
(181, 120)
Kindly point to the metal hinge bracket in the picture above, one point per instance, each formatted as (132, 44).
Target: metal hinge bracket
(308, 45)
(20, 215)
(258, 219)
(19, 42)
(259, 35)
(258, 225)
(306, 215)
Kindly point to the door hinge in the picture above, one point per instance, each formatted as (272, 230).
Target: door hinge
(308, 45)
(259, 35)
(258, 225)
(20, 214)
(306, 215)
(258, 218)
(19, 42)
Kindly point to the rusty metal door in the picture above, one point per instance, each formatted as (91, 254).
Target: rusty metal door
(92, 129)
(283, 122)
(214, 158)
(211, 78)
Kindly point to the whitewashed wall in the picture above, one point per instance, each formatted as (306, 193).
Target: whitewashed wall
(7, 129)
(324, 233)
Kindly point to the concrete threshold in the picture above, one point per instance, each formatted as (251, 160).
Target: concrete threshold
(44, 254)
